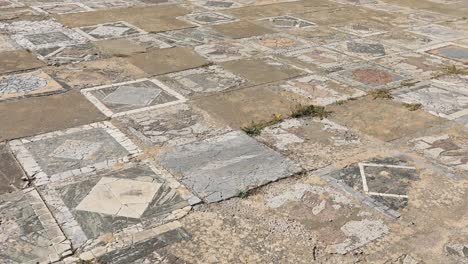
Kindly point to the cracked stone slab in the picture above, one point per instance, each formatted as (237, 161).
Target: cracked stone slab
(438, 32)
(202, 81)
(18, 60)
(437, 98)
(384, 182)
(62, 8)
(95, 73)
(318, 90)
(241, 29)
(262, 70)
(218, 168)
(33, 83)
(70, 54)
(366, 49)
(279, 43)
(286, 23)
(208, 18)
(450, 51)
(157, 62)
(109, 210)
(369, 77)
(111, 30)
(11, 173)
(72, 152)
(35, 35)
(313, 143)
(29, 231)
(387, 121)
(131, 97)
(189, 37)
(222, 51)
(173, 125)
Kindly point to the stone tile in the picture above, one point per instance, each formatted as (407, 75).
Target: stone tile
(134, 203)
(406, 40)
(365, 49)
(431, 17)
(120, 47)
(208, 18)
(18, 60)
(242, 164)
(321, 59)
(131, 97)
(279, 43)
(369, 77)
(157, 62)
(27, 84)
(62, 8)
(110, 30)
(29, 231)
(171, 126)
(202, 81)
(35, 35)
(35, 115)
(313, 143)
(72, 152)
(189, 37)
(438, 32)
(446, 101)
(95, 73)
(262, 70)
(222, 51)
(11, 173)
(241, 29)
(147, 41)
(451, 51)
(322, 35)
(70, 54)
(6, 44)
(217, 4)
(384, 182)
(415, 65)
(386, 121)
(241, 107)
(286, 23)
(364, 28)
(317, 90)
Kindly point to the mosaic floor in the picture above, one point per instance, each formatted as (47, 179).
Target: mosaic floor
(234, 131)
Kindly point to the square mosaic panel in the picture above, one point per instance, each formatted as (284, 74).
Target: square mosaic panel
(438, 32)
(406, 40)
(383, 183)
(279, 43)
(451, 51)
(150, 41)
(226, 50)
(362, 29)
(216, 4)
(416, 65)
(72, 152)
(320, 90)
(208, 18)
(43, 34)
(201, 81)
(446, 101)
(369, 77)
(365, 49)
(30, 234)
(62, 8)
(129, 202)
(28, 84)
(70, 54)
(323, 59)
(219, 168)
(173, 125)
(111, 30)
(190, 37)
(130, 97)
(287, 22)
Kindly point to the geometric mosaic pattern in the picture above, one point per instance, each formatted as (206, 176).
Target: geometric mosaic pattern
(208, 18)
(131, 97)
(110, 30)
(453, 52)
(62, 8)
(29, 83)
(287, 22)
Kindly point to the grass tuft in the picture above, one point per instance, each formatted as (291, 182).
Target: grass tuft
(381, 94)
(310, 110)
(412, 107)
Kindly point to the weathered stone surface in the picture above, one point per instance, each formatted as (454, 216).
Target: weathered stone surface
(34, 116)
(217, 175)
(27, 84)
(241, 29)
(120, 47)
(11, 173)
(18, 60)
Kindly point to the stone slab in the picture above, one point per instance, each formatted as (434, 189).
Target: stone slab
(32, 116)
(219, 168)
(18, 60)
(227, 50)
(157, 62)
(11, 173)
(120, 47)
(241, 29)
(189, 37)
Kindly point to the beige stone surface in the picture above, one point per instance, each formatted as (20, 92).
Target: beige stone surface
(18, 60)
